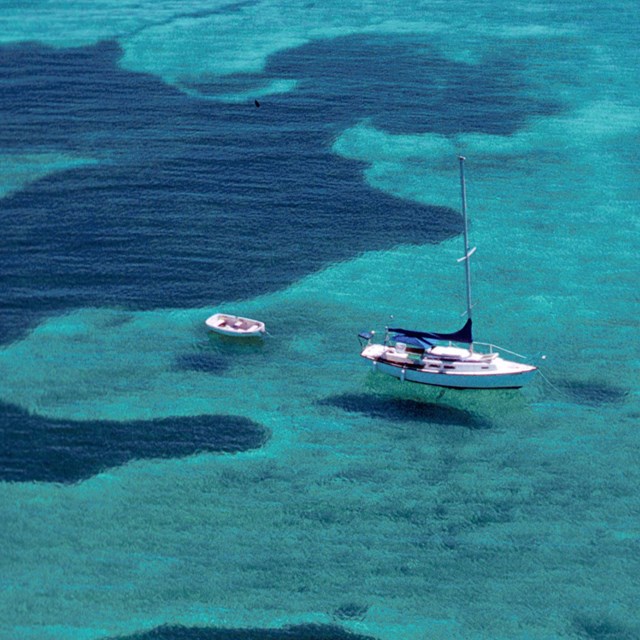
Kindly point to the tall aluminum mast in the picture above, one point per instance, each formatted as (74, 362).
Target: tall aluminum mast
(467, 252)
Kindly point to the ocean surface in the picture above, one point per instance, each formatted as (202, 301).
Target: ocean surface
(296, 162)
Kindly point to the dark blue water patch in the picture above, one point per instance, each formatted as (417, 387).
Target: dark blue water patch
(403, 85)
(351, 611)
(405, 410)
(203, 362)
(16, 324)
(592, 392)
(198, 201)
(48, 450)
(218, 354)
(297, 632)
(594, 627)
(398, 84)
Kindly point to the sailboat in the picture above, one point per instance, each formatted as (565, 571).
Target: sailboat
(450, 360)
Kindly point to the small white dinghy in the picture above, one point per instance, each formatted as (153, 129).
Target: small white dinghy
(228, 325)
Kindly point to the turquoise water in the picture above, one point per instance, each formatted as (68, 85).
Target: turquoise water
(159, 482)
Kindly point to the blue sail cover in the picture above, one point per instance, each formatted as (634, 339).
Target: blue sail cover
(412, 341)
(462, 335)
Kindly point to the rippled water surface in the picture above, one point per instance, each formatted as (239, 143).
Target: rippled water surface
(297, 163)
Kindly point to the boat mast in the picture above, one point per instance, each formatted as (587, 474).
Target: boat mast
(467, 253)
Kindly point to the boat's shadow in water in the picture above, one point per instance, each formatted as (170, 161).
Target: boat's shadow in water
(217, 355)
(591, 392)
(397, 409)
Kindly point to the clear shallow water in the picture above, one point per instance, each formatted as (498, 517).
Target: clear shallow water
(153, 476)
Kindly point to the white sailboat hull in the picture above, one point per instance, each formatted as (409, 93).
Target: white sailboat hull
(470, 371)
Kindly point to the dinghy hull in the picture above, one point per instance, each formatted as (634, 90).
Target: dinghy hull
(235, 326)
